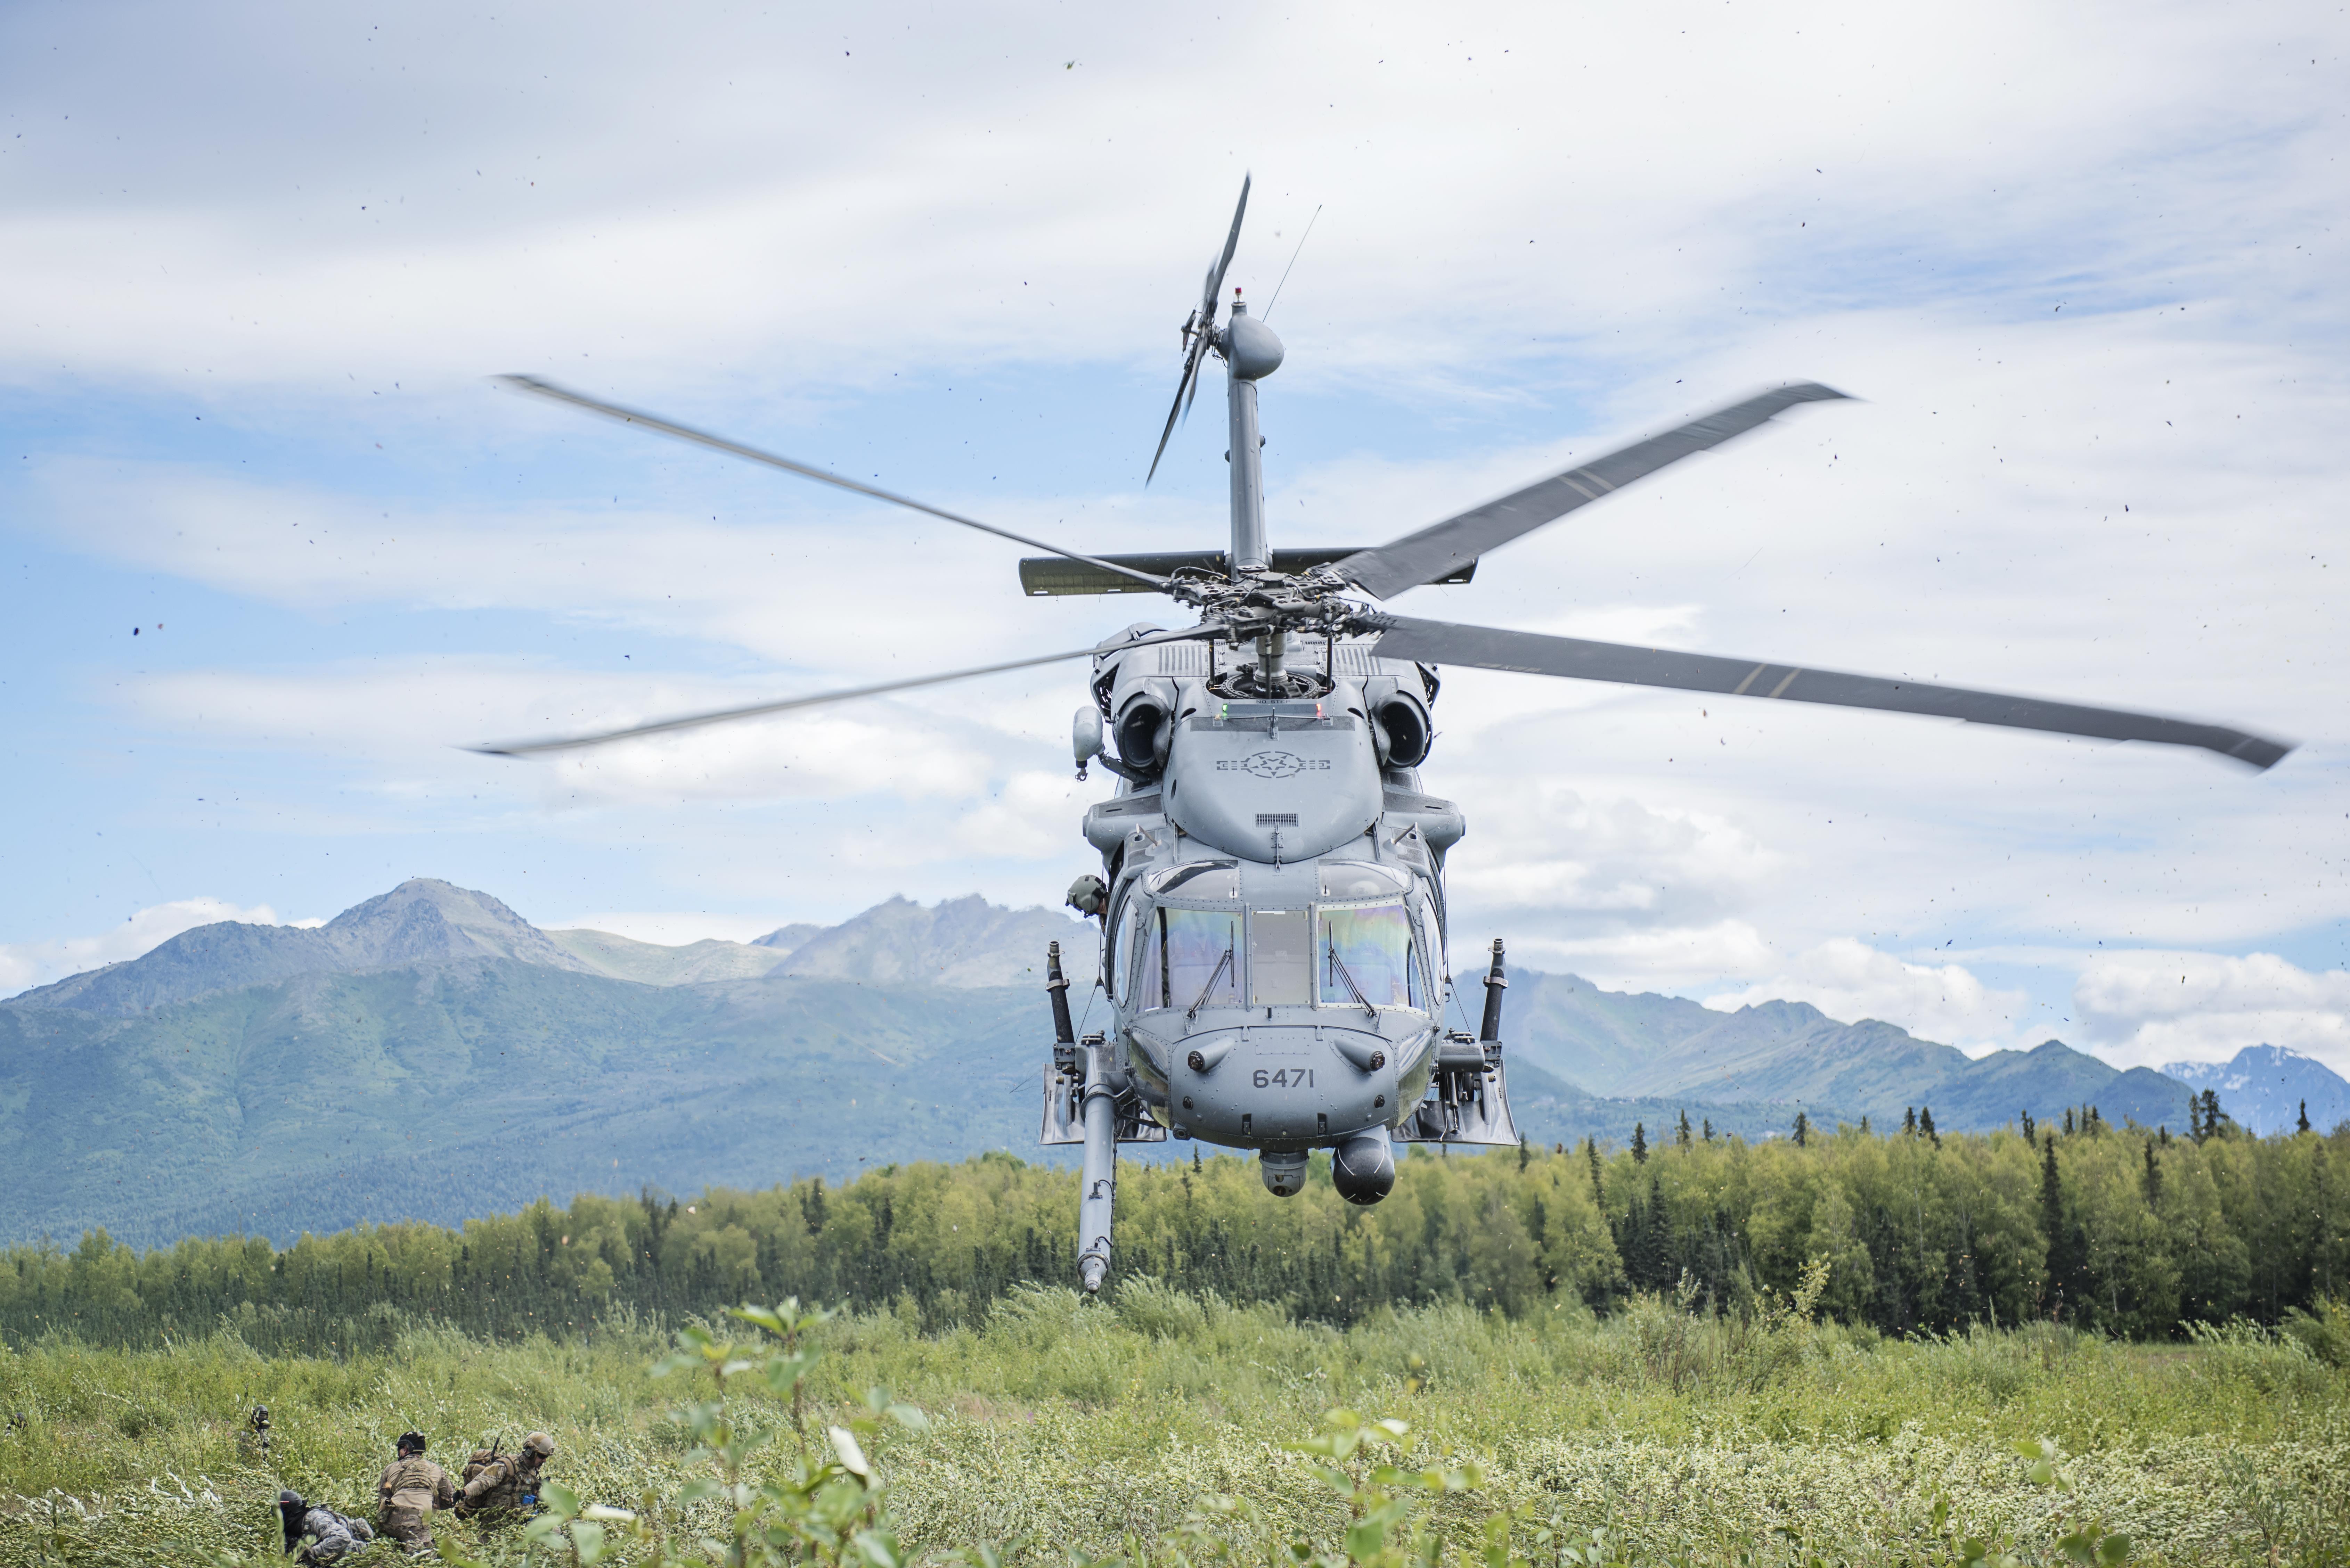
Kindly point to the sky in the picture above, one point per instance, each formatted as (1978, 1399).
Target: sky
(277, 546)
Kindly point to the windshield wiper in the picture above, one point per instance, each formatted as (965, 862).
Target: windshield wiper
(1214, 975)
(1340, 965)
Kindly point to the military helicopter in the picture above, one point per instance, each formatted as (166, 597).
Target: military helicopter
(1271, 891)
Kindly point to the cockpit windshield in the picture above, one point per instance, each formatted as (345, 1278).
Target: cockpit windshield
(1368, 957)
(1190, 959)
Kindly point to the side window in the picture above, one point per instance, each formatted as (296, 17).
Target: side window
(1118, 944)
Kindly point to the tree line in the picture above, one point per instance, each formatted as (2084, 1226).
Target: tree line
(2121, 1230)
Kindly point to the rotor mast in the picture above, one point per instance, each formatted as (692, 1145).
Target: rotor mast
(1243, 335)
(1250, 353)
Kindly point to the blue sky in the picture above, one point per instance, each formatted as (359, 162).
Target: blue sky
(2083, 269)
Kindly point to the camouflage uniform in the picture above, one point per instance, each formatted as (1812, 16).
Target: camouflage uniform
(408, 1491)
(509, 1483)
(333, 1536)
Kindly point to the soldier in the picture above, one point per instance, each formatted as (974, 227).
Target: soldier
(506, 1483)
(409, 1489)
(332, 1535)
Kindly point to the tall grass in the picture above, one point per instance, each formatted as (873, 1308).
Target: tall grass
(1096, 1428)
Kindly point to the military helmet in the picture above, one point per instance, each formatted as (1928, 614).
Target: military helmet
(539, 1443)
(291, 1511)
(410, 1443)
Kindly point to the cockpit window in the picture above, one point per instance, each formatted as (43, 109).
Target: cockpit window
(1367, 955)
(1190, 959)
(1281, 958)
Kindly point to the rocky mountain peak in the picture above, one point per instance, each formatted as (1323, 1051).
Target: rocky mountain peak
(426, 920)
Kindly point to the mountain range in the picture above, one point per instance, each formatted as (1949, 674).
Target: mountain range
(431, 1054)
(2269, 1089)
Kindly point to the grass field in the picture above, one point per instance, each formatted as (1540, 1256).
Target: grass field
(1064, 1426)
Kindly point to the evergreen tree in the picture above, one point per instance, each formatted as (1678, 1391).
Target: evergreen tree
(1910, 1120)
(1926, 1125)
(811, 1206)
(2067, 1252)
(2027, 1126)
(1709, 1129)
(2068, 1121)
(2305, 1117)
(1640, 1143)
(2153, 1182)
(1802, 1130)
(1599, 1188)
(1681, 1137)
(1525, 1154)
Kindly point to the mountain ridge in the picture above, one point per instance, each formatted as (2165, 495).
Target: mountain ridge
(2269, 1088)
(423, 920)
(431, 1054)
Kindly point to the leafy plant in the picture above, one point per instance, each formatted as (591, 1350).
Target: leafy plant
(1383, 1499)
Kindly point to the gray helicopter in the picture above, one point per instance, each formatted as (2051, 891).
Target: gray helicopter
(1273, 929)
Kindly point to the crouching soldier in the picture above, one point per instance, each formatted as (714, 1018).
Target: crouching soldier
(504, 1485)
(331, 1535)
(408, 1491)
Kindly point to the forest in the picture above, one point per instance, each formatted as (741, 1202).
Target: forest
(2120, 1232)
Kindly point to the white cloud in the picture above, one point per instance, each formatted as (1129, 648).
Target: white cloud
(623, 571)
(1033, 816)
(23, 965)
(2149, 1008)
(1850, 981)
(412, 716)
(1661, 957)
(1573, 854)
(783, 196)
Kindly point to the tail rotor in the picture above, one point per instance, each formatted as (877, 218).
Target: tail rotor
(1200, 333)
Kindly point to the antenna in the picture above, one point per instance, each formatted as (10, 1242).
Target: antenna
(1293, 264)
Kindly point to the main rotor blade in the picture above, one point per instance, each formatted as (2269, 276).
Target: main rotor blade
(1216, 273)
(722, 715)
(1441, 548)
(629, 416)
(1439, 642)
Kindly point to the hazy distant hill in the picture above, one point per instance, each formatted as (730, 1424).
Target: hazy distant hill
(2265, 1087)
(1791, 1053)
(649, 963)
(430, 1053)
(964, 942)
(471, 1087)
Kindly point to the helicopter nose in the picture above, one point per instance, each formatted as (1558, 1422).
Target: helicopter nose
(1280, 1086)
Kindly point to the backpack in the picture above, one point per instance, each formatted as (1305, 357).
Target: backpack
(481, 1459)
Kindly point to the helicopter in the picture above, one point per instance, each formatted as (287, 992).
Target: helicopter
(1271, 898)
